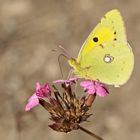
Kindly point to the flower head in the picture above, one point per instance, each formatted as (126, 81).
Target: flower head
(41, 92)
(94, 87)
(67, 110)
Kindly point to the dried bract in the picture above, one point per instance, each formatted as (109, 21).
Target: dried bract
(66, 109)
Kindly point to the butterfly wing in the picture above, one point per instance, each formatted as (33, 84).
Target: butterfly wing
(105, 55)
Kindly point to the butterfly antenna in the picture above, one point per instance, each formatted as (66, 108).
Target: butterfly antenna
(65, 52)
(59, 57)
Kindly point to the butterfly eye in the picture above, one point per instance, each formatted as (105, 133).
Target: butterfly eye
(95, 39)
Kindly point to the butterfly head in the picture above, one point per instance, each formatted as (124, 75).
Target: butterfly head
(73, 63)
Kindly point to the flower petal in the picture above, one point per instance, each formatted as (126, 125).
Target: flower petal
(92, 87)
(71, 80)
(32, 102)
(101, 91)
(91, 90)
(87, 83)
(38, 86)
(59, 81)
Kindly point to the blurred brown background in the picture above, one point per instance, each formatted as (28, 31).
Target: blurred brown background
(29, 30)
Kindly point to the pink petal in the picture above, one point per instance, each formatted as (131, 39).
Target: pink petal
(86, 83)
(92, 87)
(97, 83)
(46, 86)
(33, 97)
(101, 91)
(89, 86)
(32, 102)
(65, 81)
(38, 86)
(59, 81)
(91, 90)
(73, 79)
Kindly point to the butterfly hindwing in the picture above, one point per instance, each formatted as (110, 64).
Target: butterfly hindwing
(112, 64)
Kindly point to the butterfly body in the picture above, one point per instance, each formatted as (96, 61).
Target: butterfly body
(105, 55)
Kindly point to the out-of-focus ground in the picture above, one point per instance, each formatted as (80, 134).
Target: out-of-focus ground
(29, 30)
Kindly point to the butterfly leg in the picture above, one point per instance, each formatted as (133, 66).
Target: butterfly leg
(71, 72)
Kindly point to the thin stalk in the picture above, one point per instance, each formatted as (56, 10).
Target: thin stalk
(90, 133)
(58, 95)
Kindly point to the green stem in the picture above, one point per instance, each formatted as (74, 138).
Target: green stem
(90, 133)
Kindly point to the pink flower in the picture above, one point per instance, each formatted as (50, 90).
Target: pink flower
(41, 92)
(71, 80)
(94, 87)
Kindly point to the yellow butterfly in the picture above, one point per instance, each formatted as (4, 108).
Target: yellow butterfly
(105, 55)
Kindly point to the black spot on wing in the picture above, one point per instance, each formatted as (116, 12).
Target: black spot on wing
(95, 39)
(115, 33)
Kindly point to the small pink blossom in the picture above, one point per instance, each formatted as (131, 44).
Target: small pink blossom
(41, 92)
(71, 80)
(94, 87)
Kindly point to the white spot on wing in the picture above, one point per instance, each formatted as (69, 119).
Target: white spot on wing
(108, 58)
